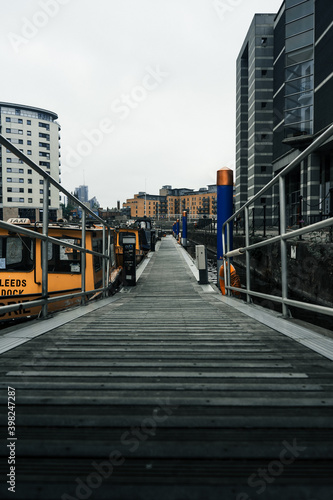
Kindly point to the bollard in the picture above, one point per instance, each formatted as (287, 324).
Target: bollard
(201, 263)
(225, 188)
(177, 229)
(184, 231)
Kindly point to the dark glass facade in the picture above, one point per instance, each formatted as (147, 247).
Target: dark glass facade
(299, 77)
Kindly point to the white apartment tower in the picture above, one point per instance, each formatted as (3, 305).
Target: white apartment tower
(35, 132)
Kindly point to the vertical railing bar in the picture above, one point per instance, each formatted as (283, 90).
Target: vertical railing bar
(104, 263)
(247, 253)
(228, 264)
(46, 187)
(283, 244)
(108, 262)
(83, 257)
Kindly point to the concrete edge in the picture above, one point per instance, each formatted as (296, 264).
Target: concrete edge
(193, 268)
(305, 336)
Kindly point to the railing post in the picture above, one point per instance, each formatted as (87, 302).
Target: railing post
(247, 253)
(284, 268)
(264, 221)
(83, 257)
(104, 263)
(108, 262)
(45, 246)
(225, 187)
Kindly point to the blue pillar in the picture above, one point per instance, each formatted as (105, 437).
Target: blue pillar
(225, 188)
(184, 231)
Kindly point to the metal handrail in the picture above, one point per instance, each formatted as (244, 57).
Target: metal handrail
(282, 237)
(45, 238)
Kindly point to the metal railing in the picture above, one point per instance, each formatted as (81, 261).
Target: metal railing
(106, 254)
(282, 238)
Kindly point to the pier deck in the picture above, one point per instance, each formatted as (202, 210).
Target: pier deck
(167, 392)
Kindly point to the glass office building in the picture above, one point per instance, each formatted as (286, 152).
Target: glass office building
(302, 108)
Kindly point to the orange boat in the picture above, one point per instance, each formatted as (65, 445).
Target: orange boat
(21, 269)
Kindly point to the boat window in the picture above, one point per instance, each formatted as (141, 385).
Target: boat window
(16, 253)
(64, 259)
(97, 246)
(125, 234)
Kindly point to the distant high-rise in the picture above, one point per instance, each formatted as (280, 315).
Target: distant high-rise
(35, 132)
(81, 193)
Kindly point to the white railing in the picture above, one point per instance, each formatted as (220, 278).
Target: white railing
(282, 238)
(106, 253)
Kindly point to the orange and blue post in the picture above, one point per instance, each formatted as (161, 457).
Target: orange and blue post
(225, 192)
(174, 229)
(184, 229)
(177, 229)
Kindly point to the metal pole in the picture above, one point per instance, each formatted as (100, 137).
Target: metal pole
(184, 229)
(45, 245)
(177, 229)
(225, 187)
(227, 273)
(284, 269)
(247, 253)
(104, 251)
(83, 258)
(108, 262)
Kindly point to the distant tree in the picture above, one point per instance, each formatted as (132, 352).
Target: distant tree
(66, 210)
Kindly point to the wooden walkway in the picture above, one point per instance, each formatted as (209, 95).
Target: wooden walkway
(165, 394)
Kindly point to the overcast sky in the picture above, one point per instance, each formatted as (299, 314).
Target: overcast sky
(144, 89)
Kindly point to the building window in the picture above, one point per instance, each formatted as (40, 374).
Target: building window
(28, 122)
(29, 200)
(299, 11)
(29, 190)
(28, 142)
(29, 152)
(9, 199)
(41, 181)
(29, 181)
(28, 132)
(44, 125)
